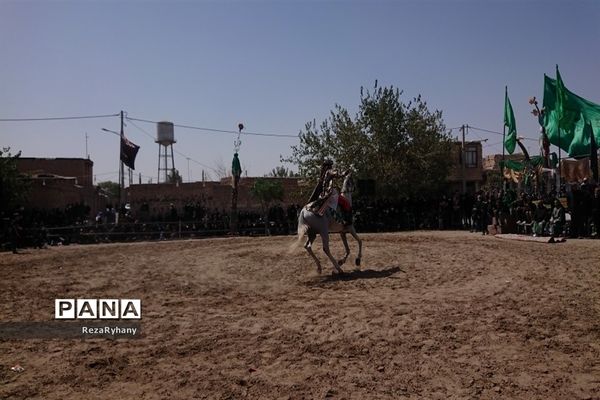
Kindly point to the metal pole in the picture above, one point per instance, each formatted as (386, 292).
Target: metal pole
(559, 163)
(158, 172)
(166, 166)
(464, 160)
(173, 163)
(503, 157)
(121, 172)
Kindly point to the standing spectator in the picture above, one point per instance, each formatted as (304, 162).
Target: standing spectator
(577, 212)
(596, 211)
(173, 216)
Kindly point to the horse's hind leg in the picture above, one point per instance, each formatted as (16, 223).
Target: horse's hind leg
(308, 247)
(359, 256)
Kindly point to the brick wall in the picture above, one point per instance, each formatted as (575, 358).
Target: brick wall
(50, 193)
(211, 195)
(79, 168)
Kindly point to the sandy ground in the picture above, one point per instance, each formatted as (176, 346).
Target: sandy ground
(435, 315)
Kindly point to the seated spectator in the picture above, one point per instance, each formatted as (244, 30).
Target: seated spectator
(540, 220)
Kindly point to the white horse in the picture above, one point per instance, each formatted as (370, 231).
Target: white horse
(313, 224)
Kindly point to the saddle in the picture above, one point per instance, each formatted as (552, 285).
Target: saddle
(342, 215)
(318, 206)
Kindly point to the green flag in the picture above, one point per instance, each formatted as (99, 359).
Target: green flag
(236, 168)
(510, 141)
(569, 120)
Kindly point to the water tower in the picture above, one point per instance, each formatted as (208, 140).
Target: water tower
(165, 137)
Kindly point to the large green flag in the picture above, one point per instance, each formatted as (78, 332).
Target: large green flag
(569, 120)
(510, 141)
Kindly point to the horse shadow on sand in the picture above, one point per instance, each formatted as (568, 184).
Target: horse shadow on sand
(356, 275)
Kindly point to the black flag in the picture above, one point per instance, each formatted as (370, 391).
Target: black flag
(128, 152)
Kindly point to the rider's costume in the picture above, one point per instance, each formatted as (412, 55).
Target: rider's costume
(326, 196)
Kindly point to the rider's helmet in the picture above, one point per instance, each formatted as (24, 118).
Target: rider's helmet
(326, 166)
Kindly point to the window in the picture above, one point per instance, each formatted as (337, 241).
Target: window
(471, 157)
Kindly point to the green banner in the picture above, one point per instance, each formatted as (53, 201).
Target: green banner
(577, 117)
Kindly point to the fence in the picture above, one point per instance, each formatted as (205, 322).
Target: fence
(134, 231)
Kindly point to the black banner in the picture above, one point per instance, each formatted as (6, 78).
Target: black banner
(129, 151)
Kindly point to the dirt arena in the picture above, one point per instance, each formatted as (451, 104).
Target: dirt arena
(432, 315)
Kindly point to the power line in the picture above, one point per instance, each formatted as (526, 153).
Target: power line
(143, 130)
(196, 161)
(485, 130)
(492, 144)
(476, 134)
(212, 130)
(176, 151)
(57, 118)
(497, 133)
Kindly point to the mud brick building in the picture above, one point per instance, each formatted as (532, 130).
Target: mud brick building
(492, 161)
(473, 161)
(59, 182)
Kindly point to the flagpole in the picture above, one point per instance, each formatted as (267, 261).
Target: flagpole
(503, 150)
(504, 139)
(560, 109)
(121, 169)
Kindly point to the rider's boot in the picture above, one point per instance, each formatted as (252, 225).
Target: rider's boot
(347, 214)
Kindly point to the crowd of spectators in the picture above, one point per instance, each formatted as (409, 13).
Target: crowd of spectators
(574, 212)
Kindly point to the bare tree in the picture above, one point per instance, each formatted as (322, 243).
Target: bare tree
(221, 171)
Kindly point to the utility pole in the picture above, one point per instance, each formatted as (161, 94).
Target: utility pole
(189, 179)
(121, 169)
(464, 160)
(236, 173)
(87, 155)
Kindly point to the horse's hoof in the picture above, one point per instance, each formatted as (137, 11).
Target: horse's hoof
(357, 262)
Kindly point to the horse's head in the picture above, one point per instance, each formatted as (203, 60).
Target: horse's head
(348, 185)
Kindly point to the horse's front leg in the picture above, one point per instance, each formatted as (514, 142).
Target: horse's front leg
(325, 239)
(345, 241)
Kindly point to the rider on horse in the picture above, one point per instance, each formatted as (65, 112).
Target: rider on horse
(326, 195)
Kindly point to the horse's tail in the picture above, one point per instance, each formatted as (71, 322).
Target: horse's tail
(302, 229)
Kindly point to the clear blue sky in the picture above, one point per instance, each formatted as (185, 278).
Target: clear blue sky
(274, 65)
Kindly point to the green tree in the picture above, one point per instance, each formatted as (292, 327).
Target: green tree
(282, 172)
(174, 177)
(403, 146)
(493, 180)
(111, 188)
(267, 191)
(14, 186)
